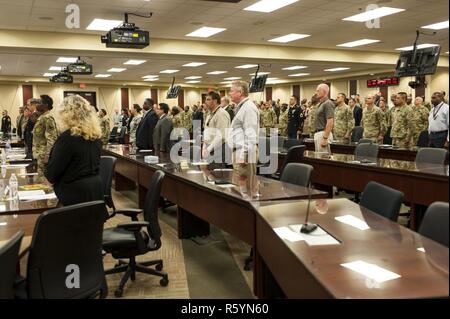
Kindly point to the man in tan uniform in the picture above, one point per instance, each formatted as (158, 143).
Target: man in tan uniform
(343, 120)
(373, 121)
(400, 132)
(418, 120)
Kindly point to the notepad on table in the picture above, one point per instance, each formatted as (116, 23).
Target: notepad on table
(35, 195)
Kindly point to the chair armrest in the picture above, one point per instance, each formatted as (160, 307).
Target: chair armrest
(131, 212)
(133, 226)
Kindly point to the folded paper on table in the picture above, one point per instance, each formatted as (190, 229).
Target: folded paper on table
(35, 195)
(318, 237)
(15, 165)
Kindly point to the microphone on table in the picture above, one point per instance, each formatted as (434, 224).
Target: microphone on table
(307, 227)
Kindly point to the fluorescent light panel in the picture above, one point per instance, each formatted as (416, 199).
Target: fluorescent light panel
(437, 26)
(50, 74)
(260, 73)
(151, 79)
(66, 60)
(269, 5)
(217, 72)
(233, 78)
(150, 76)
(373, 14)
(194, 64)
(289, 38)
(205, 32)
(103, 75)
(117, 70)
(169, 71)
(55, 68)
(420, 46)
(336, 69)
(135, 62)
(103, 24)
(296, 67)
(246, 66)
(357, 43)
(299, 74)
(192, 82)
(194, 77)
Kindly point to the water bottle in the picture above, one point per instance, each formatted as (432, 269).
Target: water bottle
(13, 186)
(8, 148)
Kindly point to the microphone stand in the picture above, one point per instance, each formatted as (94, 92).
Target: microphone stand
(308, 228)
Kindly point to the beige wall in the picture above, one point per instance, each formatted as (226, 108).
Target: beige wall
(10, 99)
(282, 92)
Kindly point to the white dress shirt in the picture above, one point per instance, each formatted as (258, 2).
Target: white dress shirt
(438, 119)
(217, 120)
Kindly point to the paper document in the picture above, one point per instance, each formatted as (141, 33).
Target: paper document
(316, 238)
(371, 271)
(353, 221)
(200, 163)
(194, 172)
(35, 195)
(288, 234)
(15, 165)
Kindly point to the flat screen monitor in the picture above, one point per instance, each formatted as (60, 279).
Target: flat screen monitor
(258, 84)
(173, 92)
(425, 62)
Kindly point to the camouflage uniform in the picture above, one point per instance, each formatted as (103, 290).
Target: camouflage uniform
(312, 118)
(386, 117)
(343, 123)
(106, 128)
(268, 119)
(427, 105)
(419, 122)
(373, 123)
(400, 131)
(45, 133)
(187, 120)
(282, 123)
(133, 128)
(177, 122)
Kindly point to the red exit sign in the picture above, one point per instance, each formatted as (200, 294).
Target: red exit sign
(383, 82)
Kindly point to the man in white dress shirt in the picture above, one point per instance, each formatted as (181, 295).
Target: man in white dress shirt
(244, 132)
(438, 122)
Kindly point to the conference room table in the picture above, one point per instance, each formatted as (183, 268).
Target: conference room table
(200, 201)
(359, 254)
(422, 183)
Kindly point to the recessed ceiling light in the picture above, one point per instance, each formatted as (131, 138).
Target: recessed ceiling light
(66, 60)
(192, 82)
(299, 74)
(135, 62)
(357, 43)
(103, 24)
(373, 14)
(205, 32)
(260, 73)
(289, 38)
(437, 26)
(56, 68)
(336, 69)
(194, 64)
(217, 72)
(50, 74)
(151, 79)
(150, 76)
(296, 67)
(169, 71)
(233, 78)
(103, 75)
(246, 66)
(420, 46)
(269, 5)
(117, 70)
(194, 77)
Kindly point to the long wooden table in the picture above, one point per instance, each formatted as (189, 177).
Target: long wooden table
(303, 271)
(199, 201)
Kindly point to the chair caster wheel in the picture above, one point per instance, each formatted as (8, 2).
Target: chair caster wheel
(118, 293)
(159, 267)
(164, 282)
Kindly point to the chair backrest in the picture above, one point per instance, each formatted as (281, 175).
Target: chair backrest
(387, 139)
(113, 132)
(423, 141)
(288, 143)
(382, 200)
(366, 140)
(357, 133)
(9, 256)
(123, 131)
(151, 206)
(294, 155)
(297, 173)
(281, 141)
(66, 250)
(431, 155)
(107, 167)
(366, 151)
(435, 223)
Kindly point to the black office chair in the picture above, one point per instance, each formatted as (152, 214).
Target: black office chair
(107, 167)
(288, 143)
(382, 200)
(423, 140)
(387, 139)
(128, 240)
(357, 134)
(435, 223)
(431, 155)
(366, 141)
(281, 141)
(65, 255)
(297, 173)
(113, 134)
(121, 137)
(9, 257)
(366, 151)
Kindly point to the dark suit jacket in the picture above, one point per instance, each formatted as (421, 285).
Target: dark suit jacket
(357, 114)
(161, 135)
(144, 132)
(294, 119)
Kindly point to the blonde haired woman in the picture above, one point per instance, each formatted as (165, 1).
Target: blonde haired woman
(74, 161)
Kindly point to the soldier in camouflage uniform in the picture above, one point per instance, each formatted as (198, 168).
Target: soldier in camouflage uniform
(312, 115)
(386, 113)
(282, 121)
(177, 122)
(137, 117)
(186, 118)
(373, 121)
(268, 117)
(400, 132)
(105, 126)
(418, 120)
(343, 120)
(45, 133)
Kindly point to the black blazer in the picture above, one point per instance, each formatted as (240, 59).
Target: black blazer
(161, 135)
(144, 132)
(357, 114)
(295, 119)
